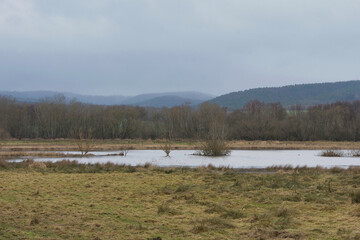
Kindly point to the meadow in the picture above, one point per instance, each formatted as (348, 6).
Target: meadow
(67, 200)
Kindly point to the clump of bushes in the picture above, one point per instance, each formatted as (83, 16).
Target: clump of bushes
(355, 153)
(37, 165)
(332, 153)
(215, 148)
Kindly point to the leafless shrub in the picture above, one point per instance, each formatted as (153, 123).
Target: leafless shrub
(84, 140)
(355, 153)
(332, 153)
(166, 147)
(148, 165)
(125, 148)
(214, 147)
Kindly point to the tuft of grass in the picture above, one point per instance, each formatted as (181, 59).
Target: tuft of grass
(4, 164)
(215, 208)
(355, 212)
(278, 218)
(284, 211)
(154, 238)
(182, 188)
(131, 169)
(199, 227)
(219, 222)
(355, 196)
(175, 189)
(206, 224)
(34, 221)
(167, 190)
(148, 165)
(234, 214)
(164, 208)
(224, 212)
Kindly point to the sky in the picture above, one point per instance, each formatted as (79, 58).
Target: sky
(130, 47)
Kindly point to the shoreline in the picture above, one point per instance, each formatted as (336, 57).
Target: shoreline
(98, 145)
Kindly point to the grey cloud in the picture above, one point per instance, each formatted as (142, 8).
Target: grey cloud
(136, 46)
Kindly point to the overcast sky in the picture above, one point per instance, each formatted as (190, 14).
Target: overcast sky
(128, 47)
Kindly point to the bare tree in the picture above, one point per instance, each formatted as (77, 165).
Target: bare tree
(125, 148)
(167, 147)
(84, 140)
(168, 130)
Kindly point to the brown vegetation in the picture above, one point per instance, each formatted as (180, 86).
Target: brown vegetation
(176, 203)
(332, 153)
(167, 147)
(17, 154)
(46, 148)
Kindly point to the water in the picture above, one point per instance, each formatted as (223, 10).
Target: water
(237, 159)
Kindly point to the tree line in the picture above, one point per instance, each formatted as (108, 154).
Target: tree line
(57, 118)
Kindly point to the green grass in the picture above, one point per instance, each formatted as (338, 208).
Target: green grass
(67, 200)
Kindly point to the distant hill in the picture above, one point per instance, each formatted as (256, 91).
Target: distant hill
(146, 100)
(304, 94)
(36, 96)
(168, 101)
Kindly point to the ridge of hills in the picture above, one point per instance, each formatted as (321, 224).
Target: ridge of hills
(168, 99)
(304, 94)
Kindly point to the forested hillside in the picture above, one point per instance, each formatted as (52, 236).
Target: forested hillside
(304, 94)
(55, 118)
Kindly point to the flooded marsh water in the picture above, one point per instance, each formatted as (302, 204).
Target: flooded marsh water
(237, 158)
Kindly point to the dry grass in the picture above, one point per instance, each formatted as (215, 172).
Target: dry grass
(16, 154)
(121, 202)
(339, 153)
(137, 144)
(289, 145)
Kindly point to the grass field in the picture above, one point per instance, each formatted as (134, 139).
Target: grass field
(66, 200)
